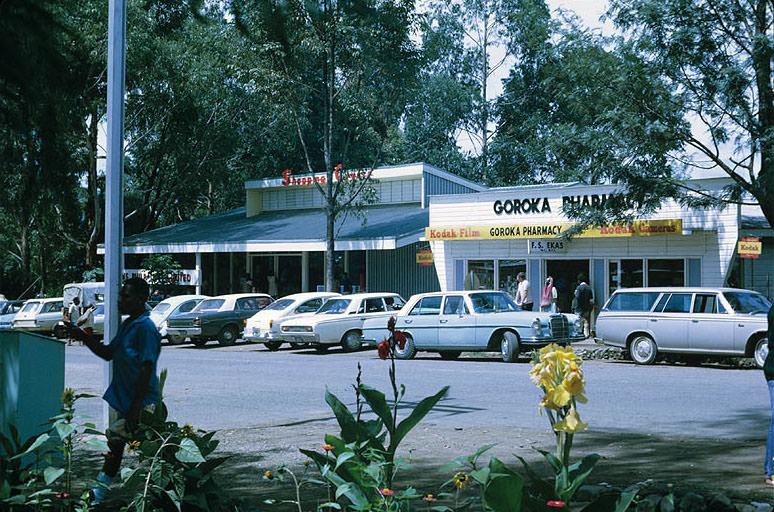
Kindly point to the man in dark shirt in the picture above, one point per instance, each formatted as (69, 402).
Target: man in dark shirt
(134, 351)
(584, 298)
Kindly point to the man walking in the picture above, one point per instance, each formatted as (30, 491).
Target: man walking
(523, 296)
(584, 299)
(135, 386)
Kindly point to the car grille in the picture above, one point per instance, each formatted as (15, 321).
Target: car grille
(179, 323)
(560, 327)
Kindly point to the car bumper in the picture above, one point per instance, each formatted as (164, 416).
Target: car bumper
(259, 335)
(184, 331)
(541, 341)
(301, 337)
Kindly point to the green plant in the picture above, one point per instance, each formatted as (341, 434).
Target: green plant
(173, 471)
(161, 272)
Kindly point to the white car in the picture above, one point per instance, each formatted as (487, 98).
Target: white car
(171, 307)
(39, 315)
(479, 320)
(264, 326)
(340, 320)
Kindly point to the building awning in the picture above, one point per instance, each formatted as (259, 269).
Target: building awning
(377, 227)
(753, 223)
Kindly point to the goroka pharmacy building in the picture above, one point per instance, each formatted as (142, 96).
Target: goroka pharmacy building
(431, 230)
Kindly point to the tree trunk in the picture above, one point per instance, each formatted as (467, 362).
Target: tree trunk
(94, 206)
(763, 186)
(331, 208)
(484, 99)
(330, 260)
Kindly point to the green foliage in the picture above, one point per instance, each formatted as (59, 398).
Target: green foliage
(161, 272)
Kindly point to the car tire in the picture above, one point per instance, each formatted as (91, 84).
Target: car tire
(176, 340)
(509, 347)
(273, 345)
(450, 355)
(351, 341)
(199, 342)
(643, 350)
(228, 335)
(321, 349)
(760, 352)
(409, 349)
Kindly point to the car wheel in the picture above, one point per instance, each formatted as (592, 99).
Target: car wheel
(761, 351)
(299, 345)
(176, 340)
(321, 349)
(273, 345)
(643, 350)
(509, 347)
(450, 355)
(351, 341)
(409, 349)
(199, 342)
(228, 335)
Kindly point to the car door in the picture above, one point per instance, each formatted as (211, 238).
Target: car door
(670, 325)
(423, 320)
(456, 326)
(50, 314)
(711, 328)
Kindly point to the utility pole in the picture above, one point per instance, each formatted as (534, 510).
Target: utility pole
(114, 176)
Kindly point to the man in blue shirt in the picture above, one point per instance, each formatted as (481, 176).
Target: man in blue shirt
(134, 352)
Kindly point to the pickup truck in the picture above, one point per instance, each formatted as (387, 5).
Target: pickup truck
(219, 318)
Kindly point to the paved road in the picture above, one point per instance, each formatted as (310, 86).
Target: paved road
(248, 386)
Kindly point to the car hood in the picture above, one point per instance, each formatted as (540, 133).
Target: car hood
(312, 319)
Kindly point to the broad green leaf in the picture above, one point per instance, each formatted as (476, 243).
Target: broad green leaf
(344, 457)
(329, 504)
(480, 475)
(612, 502)
(64, 430)
(419, 412)
(39, 441)
(98, 444)
(503, 493)
(578, 472)
(474, 457)
(552, 459)
(347, 422)
(544, 488)
(188, 452)
(50, 474)
(378, 403)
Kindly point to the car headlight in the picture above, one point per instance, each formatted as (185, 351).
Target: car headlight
(578, 325)
(285, 329)
(197, 321)
(309, 329)
(537, 327)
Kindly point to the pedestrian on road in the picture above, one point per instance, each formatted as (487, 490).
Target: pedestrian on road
(86, 320)
(135, 385)
(523, 296)
(768, 371)
(74, 311)
(346, 284)
(584, 303)
(549, 296)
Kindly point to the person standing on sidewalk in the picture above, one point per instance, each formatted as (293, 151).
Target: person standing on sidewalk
(584, 299)
(768, 371)
(135, 386)
(523, 296)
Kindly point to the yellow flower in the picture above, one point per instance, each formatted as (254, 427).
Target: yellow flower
(68, 397)
(187, 430)
(461, 479)
(558, 396)
(267, 474)
(571, 423)
(573, 382)
(133, 445)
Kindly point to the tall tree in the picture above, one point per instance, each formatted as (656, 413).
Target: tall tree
(343, 70)
(718, 55)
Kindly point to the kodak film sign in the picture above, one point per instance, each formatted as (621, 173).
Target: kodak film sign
(555, 230)
(749, 247)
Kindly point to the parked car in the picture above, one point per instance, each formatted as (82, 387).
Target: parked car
(172, 307)
(340, 320)
(482, 321)
(39, 315)
(694, 321)
(8, 310)
(218, 318)
(264, 326)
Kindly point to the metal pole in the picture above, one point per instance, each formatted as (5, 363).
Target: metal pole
(114, 175)
(199, 273)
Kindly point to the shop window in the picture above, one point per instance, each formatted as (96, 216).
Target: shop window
(631, 274)
(666, 272)
(509, 269)
(612, 277)
(480, 275)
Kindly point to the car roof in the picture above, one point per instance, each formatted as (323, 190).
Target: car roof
(182, 298)
(310, 295)
(49, 299)
(368, 295)
(239, 295)
(682, 289)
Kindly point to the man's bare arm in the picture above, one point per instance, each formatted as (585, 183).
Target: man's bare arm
(97, 347)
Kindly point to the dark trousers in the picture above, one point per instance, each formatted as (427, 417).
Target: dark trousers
(527, 306)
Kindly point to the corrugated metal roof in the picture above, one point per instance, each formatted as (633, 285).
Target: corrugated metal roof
(382, 221)
(752, 217)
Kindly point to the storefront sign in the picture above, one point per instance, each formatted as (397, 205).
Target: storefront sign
(308, 180)
(547, 246)
(749, 247)
(522, 206)
(518, 231)
(184, 277)
(425, 257)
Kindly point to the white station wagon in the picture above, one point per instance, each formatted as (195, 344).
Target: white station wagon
(264, 326)
(694, 321)
(340, 320)
(483, 321)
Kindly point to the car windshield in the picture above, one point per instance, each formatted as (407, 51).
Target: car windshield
(279, 305)
(334, 307)
(492, 303)
(30, 307)
(747, 303)
(210, 305)
(161, 308)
